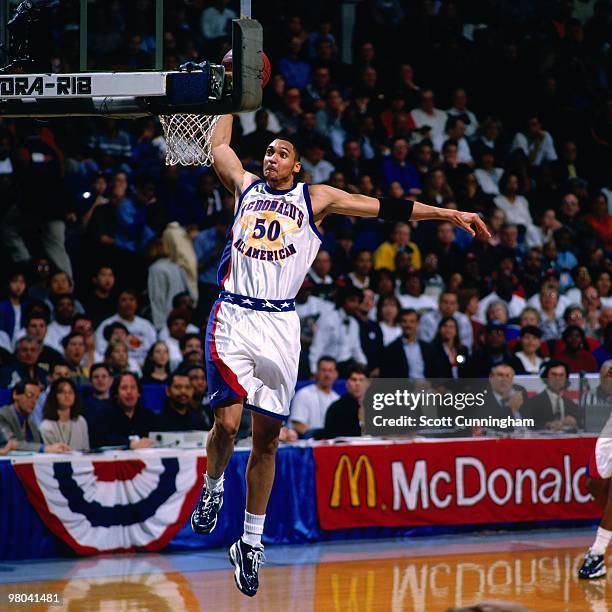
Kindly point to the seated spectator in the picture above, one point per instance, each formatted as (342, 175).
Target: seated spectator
(156, 369)
(515, 206)
(337, 335)
(12, 309)
(436, 190)
(605, 318)
(315, 164)
(61, 284)
(508, 247)
(429, 116)
(448, 306)
(178, 414)
(74, 351)
(411, 293)
(353, 165)
(295, 70)
(100, 302)
(200, 402)
(536, 144)
(177, 323)
(505, 398)
(581, 279)
(127, 422)
(397, 168)
(454, 131)
(329, 121)
(599, 220)
(603, 284)
(550, 409)
(567, 167)
(387, 314)
(344, 416)
(548, 225)
(444, 246)
(504, 292)
(63, 423)
(63, 315)
(192, 349)
(141, 332)
(493, 352)
(117, 358)
(290, 115)
(459, 109)
(604, 352)
(215, 22)
(528, 352)
(455, 170)
(36, 325)
(323, 283)
(548, 305)
(96, 399)
(399, 241)
(58, 370)
(408, 357)
(487, 174)
(574, 315)
(448, 351)
(309, 405)
(16, 421)
(361, 268)
(27, 353)
(602, 395)
(370, 334)
(576, 353)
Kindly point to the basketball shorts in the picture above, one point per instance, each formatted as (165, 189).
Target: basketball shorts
(252, 352)
(600, 463)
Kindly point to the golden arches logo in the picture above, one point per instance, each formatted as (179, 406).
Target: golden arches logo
(354, 474)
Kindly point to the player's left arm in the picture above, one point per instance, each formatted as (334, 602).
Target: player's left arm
(327, 200)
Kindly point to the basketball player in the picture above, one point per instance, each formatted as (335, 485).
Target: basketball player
(253, 334)
(599, 476)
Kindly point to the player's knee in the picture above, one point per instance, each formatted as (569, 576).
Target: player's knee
(265, 445)
(227, 426)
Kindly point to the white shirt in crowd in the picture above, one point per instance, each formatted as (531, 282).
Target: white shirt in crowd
(310, 404)
(319, 172)
(436, 121)
(214, 22)
(314, 306)
(530, 368)
(489, 179)
(414, 357)
(544, 150)
(535, 302)
(464, 155)
(472, 126)
(139, 327)
(164, 333)
(336, 335)
(428, 327)
(515, 212)
(390, 332)
(174, 351)
(515, 305)
(419, 303)
(247, 121)
(55, 334)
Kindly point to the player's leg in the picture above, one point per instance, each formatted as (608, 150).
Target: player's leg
(593, 565)
(247, 553)
(219, 449)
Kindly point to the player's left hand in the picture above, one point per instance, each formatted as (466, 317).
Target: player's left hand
(466, 220)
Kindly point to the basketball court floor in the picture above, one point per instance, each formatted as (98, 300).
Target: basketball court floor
(536, 568)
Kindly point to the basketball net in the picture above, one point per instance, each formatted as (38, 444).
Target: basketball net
(188, 139)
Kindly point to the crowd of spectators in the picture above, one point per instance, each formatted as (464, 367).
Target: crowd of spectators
(502, 108)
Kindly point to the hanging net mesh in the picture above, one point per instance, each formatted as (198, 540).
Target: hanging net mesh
(188, 139)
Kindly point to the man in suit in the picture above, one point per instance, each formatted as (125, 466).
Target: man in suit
(505, 399)
(549, 409)
(15, 421)
(408, 357)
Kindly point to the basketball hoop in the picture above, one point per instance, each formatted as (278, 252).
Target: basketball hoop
(188, 139)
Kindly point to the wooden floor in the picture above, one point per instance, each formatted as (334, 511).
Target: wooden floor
(535, 569)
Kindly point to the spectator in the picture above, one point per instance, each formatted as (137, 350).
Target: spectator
(338, 334)
(411, 293)
(127, 422)
(215, 22)
(116, 357)
(601, 397)
(156, 369)
(387, 315)
(408, 357)
(141, 332)
(319, 275)
(370, 334)
(548, 225)
(456, 171)
(448, 351)
(74, 351)
(16, 421)
(448, 306)
(178, 414)
(536, 144)
(253, 144)
(399, 241)
(529, 349)
(59, 369)
(361, 270)
(600, 221)
(550, 409)
(329, 121)
(27, 353)
(459, 109)
(454, 130)
(397, 168)
(567, 167)
(548, 302)
(309, 405)
(296, 72)
(353, 165)
(504, 292)
(436, 190)
(100, 302)
(12, 309)
(96, 399)
(191, 349)
(429, 116)
(604, 353)
(315, 164)
(576, 354)
(493, 352)
(505, 399)
(61, 326)
(603, 283)
(344, 417)
(63, 423)
(36, 327)
(487, 174)
(514, 206)
(574, 315)
(60, 284)
(450, 256)
(201, 402)
(290, 114)
(83, 324)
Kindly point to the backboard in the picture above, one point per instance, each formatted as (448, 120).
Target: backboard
(106, 57)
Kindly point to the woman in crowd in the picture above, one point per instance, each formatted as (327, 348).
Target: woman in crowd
(448, 350)
(117, 358)
(529, 349)
(62, 420)
(604, 285)
(387, 312)
(156, 367)
(576, 353)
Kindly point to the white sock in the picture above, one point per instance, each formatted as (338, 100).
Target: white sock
(602, 539)
(253, 528)
(214, 484)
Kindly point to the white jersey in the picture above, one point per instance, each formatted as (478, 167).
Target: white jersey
(271, 244)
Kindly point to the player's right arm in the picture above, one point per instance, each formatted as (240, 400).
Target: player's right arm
(226, 163)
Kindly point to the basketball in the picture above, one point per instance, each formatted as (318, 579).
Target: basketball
(265, 67)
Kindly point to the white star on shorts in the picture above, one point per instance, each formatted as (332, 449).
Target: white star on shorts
(247, 301)
(285, 304)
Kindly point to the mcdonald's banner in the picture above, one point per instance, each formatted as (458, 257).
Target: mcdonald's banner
(453, 482)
